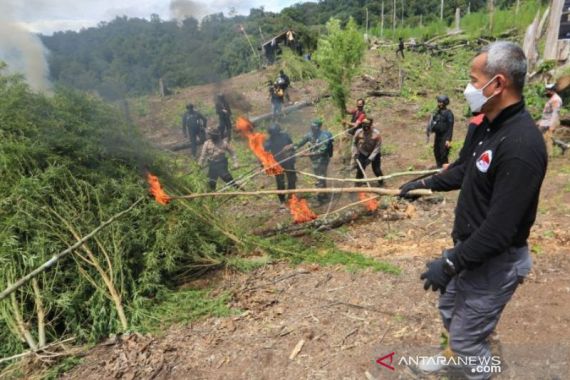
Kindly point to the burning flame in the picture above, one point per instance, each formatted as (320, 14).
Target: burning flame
(370, 202)
(156, 190)
(300, 210)
(256, 141)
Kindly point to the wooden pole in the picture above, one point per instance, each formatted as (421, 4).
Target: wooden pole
(376, 190)
(491, 9)
(366, 36)
(441, 11)
(382, 24)
(389, 176)
(402, 14)
(10, 289)
(249, 41)
(393, 19)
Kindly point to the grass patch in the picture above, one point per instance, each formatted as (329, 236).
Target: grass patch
(182, 306)
(324, 252)
(244, 264)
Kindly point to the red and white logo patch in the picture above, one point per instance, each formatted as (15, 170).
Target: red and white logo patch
(484, 161)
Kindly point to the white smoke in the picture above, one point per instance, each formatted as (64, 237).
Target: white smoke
(181, 9)
(22, 50)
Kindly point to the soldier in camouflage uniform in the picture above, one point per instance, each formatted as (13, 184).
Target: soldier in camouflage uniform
(214, 154)
(320, 153)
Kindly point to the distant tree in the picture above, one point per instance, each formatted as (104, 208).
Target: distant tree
(339, 55)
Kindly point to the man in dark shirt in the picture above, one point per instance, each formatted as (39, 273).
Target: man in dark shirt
(400, 47)
(279, 144)
(500, 172)
(224, 115)
(194, 128)
(441, 124)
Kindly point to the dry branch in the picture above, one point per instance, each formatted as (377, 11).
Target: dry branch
(26, 353)
(376, 190)
(372, 179)
(10, 289)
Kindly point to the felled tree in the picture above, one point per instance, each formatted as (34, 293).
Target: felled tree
(339, 54)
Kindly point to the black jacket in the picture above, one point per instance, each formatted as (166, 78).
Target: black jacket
(275, 145)
(442, 125)
(499, 171)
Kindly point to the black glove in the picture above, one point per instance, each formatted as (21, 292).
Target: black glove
(436, 277)
(409, 186)
(364, 161)
(441, 271)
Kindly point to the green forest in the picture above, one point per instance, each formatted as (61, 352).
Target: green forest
(128, 56)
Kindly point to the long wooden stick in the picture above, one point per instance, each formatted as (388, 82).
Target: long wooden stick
(371, 179)
(10, 289)
(376, 190)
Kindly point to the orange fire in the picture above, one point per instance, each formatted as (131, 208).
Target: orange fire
(300, 210)
(156, 190)
(370, 202)
(256, 141)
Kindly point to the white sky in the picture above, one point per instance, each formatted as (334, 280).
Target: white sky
(48, 16)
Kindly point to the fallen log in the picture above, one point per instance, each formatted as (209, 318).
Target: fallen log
(379, 93)
(561, 144)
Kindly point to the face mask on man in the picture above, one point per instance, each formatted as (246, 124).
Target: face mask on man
(475, 97)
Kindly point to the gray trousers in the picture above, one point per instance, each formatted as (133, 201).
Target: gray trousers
(474, 300)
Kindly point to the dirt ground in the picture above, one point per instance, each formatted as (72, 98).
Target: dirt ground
(317, 322)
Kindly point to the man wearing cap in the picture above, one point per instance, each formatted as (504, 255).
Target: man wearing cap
(366, 150)
(214, 154)
(550, 116)
(320, 153)
(499, 171)
(279, 144)
(441, 124)
(194, 128)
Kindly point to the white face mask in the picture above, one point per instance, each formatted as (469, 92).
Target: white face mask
(475, 97)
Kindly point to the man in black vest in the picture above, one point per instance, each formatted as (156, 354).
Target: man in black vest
(279, 144)
(441, 124)
(194, 128)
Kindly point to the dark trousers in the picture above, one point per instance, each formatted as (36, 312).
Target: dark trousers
(440, 152)
(197, 136)
(475, 299)
(291, 182)
(225, 126)
(376, 162)
(219, 169)
(401, 51)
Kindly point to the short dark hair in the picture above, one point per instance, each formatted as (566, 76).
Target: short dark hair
(505, 57)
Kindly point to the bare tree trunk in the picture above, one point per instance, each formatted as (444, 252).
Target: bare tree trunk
(441, 11)
(382, 24)
(491, 10)
(394, 19)
(551, 46)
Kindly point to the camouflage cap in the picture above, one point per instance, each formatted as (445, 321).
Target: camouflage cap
(317, 123)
